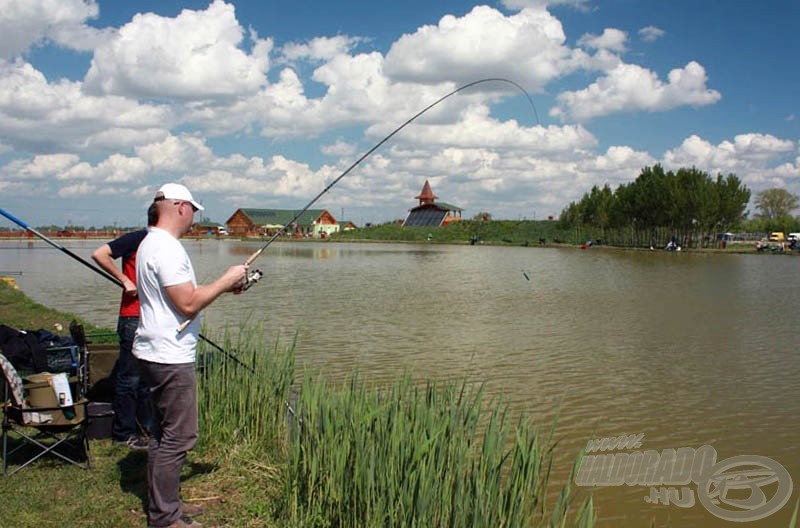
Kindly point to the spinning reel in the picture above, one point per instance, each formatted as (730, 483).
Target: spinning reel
(252, 278)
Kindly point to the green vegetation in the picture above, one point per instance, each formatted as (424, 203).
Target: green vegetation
(411, 454)
(417, 456)
(500, 232)
(775, 203)
(688, 205)
(520, 233)
(774, 212)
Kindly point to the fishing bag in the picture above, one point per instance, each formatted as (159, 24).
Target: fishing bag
(38, 350)
(23, 349)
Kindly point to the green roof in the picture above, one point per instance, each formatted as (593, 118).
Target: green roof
(449, 207)
(281, 216)
(441, 206)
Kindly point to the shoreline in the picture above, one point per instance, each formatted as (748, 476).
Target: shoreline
(735, 248)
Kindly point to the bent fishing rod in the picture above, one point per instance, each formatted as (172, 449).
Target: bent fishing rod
(255, 255)
(256, 275)
(101, 272)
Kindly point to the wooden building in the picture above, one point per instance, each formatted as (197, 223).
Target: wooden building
(317, 223)
(429, 212)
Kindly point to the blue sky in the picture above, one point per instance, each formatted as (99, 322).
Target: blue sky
(263, 103)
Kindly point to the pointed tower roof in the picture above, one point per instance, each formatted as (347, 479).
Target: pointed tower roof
(426, 196)
(429, 213)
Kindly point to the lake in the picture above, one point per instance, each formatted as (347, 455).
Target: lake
(687, 349)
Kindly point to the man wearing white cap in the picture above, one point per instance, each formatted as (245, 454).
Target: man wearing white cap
(169, 297)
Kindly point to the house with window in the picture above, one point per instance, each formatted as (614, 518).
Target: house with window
(316, 223)
(429, 212)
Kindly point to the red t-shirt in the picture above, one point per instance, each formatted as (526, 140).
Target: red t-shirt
(126, 247)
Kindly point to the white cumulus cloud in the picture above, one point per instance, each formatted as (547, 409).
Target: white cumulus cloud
(319, 48)
(193, 56)
(611, 39)
(528, 46)
(629, 88)
(26, 23)
(746, 151)
(34, 114)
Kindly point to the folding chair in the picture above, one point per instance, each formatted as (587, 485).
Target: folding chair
(42, 428)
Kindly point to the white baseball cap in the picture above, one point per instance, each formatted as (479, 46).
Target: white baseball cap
(176, 191)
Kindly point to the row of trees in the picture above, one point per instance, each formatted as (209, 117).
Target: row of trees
(774, 208)
(688, 204)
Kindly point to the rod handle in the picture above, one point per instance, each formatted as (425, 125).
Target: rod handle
(184, 324)
(253, 257)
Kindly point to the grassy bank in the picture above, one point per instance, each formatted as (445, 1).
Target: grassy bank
(508, 232)
(534, 233)
(278, 453)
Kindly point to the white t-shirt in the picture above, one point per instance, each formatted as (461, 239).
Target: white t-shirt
(162, 261)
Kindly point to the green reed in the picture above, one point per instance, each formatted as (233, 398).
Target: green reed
(416, 455)
(243, 391)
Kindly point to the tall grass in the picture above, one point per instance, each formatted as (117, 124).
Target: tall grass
(243, 390)
(415, 455)
(351, 455)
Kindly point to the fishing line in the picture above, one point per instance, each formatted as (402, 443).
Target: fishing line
(102, 272)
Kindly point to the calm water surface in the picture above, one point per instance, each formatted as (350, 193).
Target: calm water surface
(686, 349)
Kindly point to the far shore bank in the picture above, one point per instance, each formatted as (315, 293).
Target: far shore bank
(432, 238)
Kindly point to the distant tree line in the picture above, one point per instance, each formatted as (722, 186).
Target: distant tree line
(774, 212)
(687, 206)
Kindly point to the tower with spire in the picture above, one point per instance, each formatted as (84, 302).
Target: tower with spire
(429, 212)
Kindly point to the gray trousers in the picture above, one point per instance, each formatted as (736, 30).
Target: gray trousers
(174, 395)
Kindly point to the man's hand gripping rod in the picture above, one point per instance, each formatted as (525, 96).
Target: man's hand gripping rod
(252, 278)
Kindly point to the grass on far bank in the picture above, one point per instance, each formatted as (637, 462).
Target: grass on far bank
(534, 233)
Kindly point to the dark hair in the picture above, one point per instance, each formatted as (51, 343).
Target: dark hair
(152, 214)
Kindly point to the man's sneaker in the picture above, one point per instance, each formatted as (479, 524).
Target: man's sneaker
(188, 508)
(136, 443)
(185, 521)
